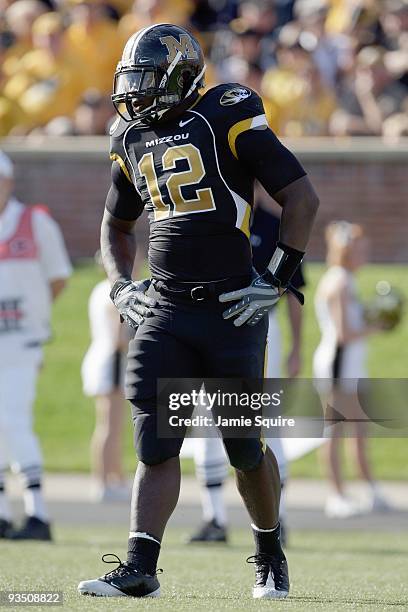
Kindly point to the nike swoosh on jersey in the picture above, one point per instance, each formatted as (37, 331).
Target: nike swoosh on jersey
(183, 123)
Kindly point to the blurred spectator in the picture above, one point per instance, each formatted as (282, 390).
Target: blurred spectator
(369, 97)
(256, 27)
(8, 110)
(258, 15)
(92, 117)
(284, 11)
(93, 42)
(340, 360)
(49, 80)
(19, 19)
(396, 126)
(244, 58)
(146, 12)
(297, 102)
(209, 15)
(394, 22)
(103, 379)
(329, 50)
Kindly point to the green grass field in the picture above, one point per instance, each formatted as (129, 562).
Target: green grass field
(65, 417)
(329, 571)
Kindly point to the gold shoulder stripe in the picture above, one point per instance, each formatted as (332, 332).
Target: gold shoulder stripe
(117, 158)
(243, 126)
(235, 131)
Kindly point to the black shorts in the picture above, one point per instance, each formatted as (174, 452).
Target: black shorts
(185, 339)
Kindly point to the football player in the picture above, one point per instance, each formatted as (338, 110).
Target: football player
(191, 161)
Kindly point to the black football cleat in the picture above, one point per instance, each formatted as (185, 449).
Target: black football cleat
(209, 532)
(32, 529)
(271, 576)
(5, 528)
(123, 581)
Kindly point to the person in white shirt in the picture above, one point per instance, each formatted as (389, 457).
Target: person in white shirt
(340, 359)
(34, 266)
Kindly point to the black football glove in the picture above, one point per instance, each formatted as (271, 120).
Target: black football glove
(256, 300)
(131, 301)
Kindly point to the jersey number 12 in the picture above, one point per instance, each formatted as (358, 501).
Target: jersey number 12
(204, 200)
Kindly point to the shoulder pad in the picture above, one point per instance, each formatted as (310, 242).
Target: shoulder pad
(231, 109)
(241, 98)
(116, 149)
(233, 101)
(230, 94)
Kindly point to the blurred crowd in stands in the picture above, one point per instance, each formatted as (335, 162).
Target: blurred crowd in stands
(323, 67)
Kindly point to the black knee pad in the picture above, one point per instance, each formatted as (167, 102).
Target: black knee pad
(150, 449)
(244, 455)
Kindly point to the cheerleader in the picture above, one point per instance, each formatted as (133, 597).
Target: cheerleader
(340, 359)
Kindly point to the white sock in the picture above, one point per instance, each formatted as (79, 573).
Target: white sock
(255, 528)
(143, 534)
(213, 504)
(5, 510)
(34, 504)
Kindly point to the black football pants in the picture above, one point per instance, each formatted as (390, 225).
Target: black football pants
(185, 339)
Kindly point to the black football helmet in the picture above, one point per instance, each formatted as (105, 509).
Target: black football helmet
(161, 66)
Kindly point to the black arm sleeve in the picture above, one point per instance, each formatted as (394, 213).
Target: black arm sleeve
(123, 201)
(268, 160)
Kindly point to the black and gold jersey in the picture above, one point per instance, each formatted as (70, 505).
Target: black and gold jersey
(195, 176)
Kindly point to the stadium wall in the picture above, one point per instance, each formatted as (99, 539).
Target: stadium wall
(360, 180)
